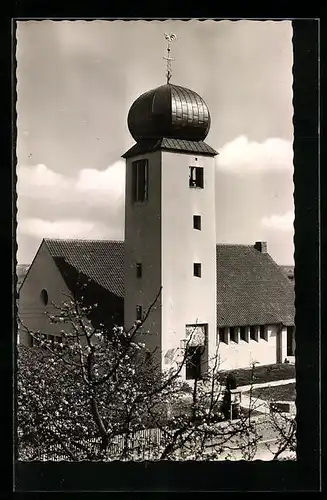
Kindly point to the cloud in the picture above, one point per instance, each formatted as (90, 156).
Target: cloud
(244, 156)
(279, 222)
(64, 229)
(100, 184)
(91, 186)
(90, 205)
(39, 176)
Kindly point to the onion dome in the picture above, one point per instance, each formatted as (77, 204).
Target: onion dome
(169, 111)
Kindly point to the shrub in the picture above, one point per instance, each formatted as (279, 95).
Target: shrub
(231, 383)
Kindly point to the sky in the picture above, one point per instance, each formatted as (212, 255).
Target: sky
(76, 81)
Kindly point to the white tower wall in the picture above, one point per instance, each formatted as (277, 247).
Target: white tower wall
(143, 245)
(187, 299)
(159, 234)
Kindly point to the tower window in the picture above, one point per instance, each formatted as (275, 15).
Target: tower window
(139, 270)
(196, 177)
(138, 313)
(140, 180)
(44, 297)
(197, 269)
(197, 222)
(254, 333)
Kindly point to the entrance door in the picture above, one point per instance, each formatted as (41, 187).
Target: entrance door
(197, 350)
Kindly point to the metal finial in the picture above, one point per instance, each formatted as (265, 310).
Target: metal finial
(170, 38)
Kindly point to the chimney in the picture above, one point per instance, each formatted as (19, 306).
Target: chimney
(261, 246)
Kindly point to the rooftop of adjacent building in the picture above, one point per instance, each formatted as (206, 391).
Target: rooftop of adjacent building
(252, 288)
(289, 270)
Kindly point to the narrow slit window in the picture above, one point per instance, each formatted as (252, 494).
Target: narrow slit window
(139, 313)
(263, 332)
(254, 333)
(140, 180)
(233, 333)
(223, 335)
(244, 334)
(44, 296)
(197, 269)
(197, 222)
(290, 341)
(139, 270)
(197, 177)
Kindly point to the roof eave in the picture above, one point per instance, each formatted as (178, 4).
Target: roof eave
(165, 144)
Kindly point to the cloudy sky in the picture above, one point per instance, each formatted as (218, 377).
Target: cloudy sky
(76, 83)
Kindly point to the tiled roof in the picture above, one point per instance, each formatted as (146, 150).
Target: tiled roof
(100, 260)
(251, 288)
(289, 271)
(21, 271)
(169, 144)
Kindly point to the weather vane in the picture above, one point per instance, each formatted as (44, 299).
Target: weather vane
(170, 38)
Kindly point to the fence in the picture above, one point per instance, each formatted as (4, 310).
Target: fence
(146, 444)
(140, 445)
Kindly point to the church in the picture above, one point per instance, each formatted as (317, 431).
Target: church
(233, 298)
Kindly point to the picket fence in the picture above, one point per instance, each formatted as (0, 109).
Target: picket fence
(141, 445)
(146, 444)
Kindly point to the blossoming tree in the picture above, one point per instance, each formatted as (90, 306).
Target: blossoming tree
(97, 394)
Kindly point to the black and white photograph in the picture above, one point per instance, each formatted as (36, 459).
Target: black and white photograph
(155, 241)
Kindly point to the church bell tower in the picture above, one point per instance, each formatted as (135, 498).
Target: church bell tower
(170, 230)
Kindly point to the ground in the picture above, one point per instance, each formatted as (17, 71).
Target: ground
(276, 393)
(264, 373)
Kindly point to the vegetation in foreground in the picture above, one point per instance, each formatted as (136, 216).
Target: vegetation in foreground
(98, 395)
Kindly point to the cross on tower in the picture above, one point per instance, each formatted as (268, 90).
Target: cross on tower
(170, 38)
